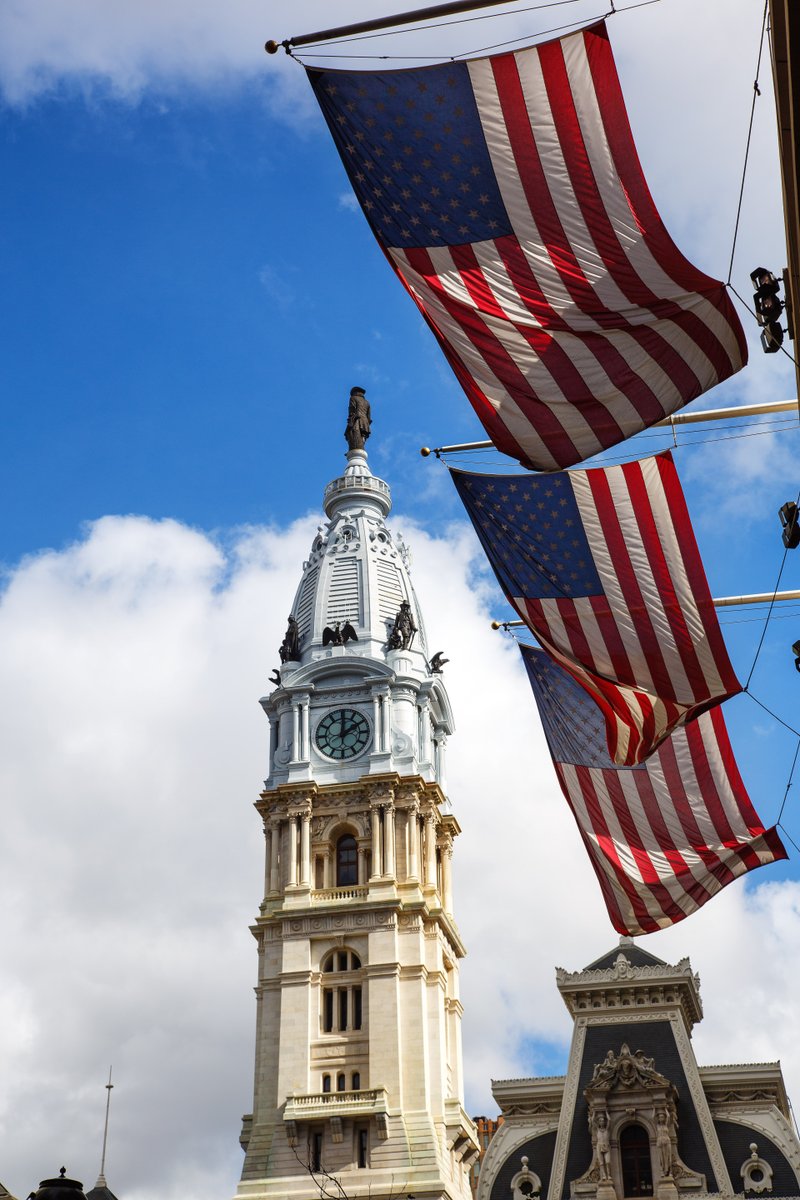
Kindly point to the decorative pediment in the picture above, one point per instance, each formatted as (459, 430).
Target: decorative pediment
(626, 1070)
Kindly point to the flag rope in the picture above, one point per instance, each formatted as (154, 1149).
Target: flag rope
(756, 94)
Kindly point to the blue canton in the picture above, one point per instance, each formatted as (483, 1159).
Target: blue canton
(414, 149)
(573, 724)
(532, 532)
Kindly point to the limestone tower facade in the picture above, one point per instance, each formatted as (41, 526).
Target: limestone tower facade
(358, 1072)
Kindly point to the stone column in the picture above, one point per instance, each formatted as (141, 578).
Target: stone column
(430, 851)
(295, 731)
(390, 865)
(447, 877)
(386, 743)
(376, 843)
(274, 878)
(305, 744)
(268, 835)
(362, 865)
(305, 850)
(273, 743)
(412, 842)
(376, 721)
(293, 850)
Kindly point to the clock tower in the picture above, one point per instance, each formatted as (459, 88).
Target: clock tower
(358, 1072)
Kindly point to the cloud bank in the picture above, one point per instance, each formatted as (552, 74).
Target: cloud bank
(132, 749)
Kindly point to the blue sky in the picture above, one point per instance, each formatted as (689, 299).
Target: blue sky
(187, 297)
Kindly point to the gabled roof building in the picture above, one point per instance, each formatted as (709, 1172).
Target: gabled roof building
(635, 1115)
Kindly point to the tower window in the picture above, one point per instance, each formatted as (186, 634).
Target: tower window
(315, 1151)
(340, 1082)
(341, 1003)
(362, 1147)
(356, 1081)
(637, 1164)
(346, 861)
(326, 1083)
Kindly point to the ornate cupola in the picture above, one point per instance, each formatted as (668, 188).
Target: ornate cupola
(356, 634)
(358, 1059)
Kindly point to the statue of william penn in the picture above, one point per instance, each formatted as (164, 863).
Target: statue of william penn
(359, 420)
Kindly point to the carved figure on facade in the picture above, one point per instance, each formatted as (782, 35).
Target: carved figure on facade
(339, 634)
(359, 420)
(289, 650)
(404, 628)
(628, 1085)
(664, 1143)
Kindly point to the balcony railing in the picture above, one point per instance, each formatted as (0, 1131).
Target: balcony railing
(367, 1102)
(331, 895)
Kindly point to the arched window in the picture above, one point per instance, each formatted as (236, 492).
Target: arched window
(356, 1081)
(326, 1083)
(346, 861)
(340, 1082)
(341, 996)
(636, 1161)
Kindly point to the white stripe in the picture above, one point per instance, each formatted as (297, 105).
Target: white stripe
(515, 421)
(576, 801)
(695, 623)
(656, 853)
(617, 205)
(608, 575)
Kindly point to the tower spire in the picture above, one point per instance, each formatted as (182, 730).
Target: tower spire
(101, 1179)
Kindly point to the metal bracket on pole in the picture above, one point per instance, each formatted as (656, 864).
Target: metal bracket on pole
(372, 26)
(717, 601)
(680, 418)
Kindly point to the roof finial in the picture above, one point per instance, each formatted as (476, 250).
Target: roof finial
(101, 1179)
(359, 420)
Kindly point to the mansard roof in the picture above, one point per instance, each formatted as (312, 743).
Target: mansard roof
(635, 955)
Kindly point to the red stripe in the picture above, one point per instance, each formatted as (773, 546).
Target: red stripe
(556, 243)
(604, 844)
(695, 572)
(678, 787)
(610, 524)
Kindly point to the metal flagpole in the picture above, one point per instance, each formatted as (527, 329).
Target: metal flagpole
(681, 418)
(717, 601)
(101, 1179)
(405, 18)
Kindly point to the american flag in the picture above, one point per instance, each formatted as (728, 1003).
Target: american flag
(603, 567)
(664, 837)
(508, 196)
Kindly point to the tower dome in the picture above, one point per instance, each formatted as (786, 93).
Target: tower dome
(356, 632)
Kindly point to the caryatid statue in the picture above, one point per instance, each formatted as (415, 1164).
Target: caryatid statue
(359, 420)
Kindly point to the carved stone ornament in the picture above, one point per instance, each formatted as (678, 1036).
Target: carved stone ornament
(525, 1183)
(756, 1173)
(626, 1088)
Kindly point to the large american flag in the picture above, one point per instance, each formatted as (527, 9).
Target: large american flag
(508, 196)
(603, 567)
(664, 837)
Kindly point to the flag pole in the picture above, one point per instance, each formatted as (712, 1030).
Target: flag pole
(717, 601)
(680, 418)
(405, 18)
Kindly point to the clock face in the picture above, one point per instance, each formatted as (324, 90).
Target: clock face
(342, 733)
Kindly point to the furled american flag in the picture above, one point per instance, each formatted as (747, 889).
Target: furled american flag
(664, 837)
(508, 196)
(604, 568)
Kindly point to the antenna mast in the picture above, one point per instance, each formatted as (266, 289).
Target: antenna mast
(101, 1180)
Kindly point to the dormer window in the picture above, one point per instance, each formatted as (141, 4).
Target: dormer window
(636, 1161)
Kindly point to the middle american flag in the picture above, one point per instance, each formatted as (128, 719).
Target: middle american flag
(663, 837)
(603, 567)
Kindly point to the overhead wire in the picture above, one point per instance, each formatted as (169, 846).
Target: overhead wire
(756, 94)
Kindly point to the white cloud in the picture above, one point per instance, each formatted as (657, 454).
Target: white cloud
(131, 748)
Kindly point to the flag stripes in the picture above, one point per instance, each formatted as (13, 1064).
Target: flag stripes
(509, 197)
(662, 838)
(625, 607)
